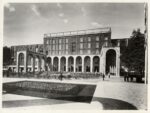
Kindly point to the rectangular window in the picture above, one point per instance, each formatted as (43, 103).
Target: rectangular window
(59, 41)
(53, 48)
(89, 45)
(89, 39)
(56, 47)
(49, 47)
(59, 46)
(97, 51)
(81, 45)
(53, 41)
(66, 52)
(81, 51)
(88, 51)
(66, 46)
(59, 52)
(97, 45)
(81, 39)
(66, 40)
(97, 38)
(73, 47)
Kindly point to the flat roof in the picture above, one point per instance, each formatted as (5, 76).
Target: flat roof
(79, 32)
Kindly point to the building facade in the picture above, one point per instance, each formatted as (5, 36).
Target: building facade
(90, 50)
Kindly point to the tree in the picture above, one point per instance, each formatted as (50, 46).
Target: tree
(6, 55)
(133, 55)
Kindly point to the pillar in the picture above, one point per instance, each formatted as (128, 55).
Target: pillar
(74, 64)
(59, 64)
(33, 65)
(66, 64)
(82, 64)
(52, 60)
(91, 63)
(118, 62)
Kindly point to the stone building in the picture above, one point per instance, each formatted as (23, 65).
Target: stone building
(90, 50)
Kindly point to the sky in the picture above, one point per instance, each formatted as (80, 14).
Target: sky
(26, 23)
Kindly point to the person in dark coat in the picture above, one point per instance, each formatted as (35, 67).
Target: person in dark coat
(103, 76)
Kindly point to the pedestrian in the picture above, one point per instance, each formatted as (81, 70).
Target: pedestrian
(8, 72)
(109, 74)
(103, 76)
(61, 76)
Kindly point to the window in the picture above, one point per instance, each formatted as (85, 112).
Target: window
(89, 39)
(59, 52)
(56, 47)
(66, 40)
(97, 45)
(89, 45)
(60, 41)
(53, 41)
(81, 46)
(88, 51)
(57, 41)
(106, 38)
(81, 39)
(97, 51)
(53, 47)
(49, 47)
(66, 52)
(81, 51)
(47, 41)
(66, 46)
(73, 47)
(97, 38)
(59, 46)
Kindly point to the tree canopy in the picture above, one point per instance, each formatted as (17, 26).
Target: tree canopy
(6, 55)
(133, 56)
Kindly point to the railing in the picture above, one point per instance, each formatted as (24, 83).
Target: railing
(79, 32)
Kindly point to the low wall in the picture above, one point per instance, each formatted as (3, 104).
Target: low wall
(64, 91)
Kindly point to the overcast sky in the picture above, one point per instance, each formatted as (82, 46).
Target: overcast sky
(26, 23)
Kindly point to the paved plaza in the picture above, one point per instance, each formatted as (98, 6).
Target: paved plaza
(113, 93)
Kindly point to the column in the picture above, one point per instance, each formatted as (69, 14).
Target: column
(17, 66)
(59, 64)
(25, 62)
(66, 64)
(99, 62)
(91, 64)
(82, 64)
(52, 60)
(74, 64)
(118, 63)
(33, 64)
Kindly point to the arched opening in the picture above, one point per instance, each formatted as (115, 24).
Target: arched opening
(63, 64)
(49, 64)
(55, 66)
(87, 64)
(96, 60)
(70, 64)
(111, 62)
(42, 64)
(78, 64)
(37, 63)
(30, 63)
(21, 62)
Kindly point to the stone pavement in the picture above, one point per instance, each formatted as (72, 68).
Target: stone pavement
(110, 94)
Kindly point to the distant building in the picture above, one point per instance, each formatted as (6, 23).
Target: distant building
(90, 50)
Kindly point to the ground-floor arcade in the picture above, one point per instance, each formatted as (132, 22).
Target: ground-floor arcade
(28, 61)
(108, 62)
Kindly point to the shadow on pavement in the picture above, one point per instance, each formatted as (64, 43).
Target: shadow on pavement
(33, 102)
(114, 104)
